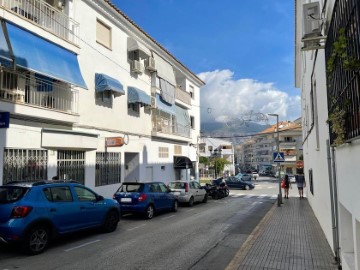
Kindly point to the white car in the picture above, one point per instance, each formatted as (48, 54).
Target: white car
(188, 192)
(255, 175)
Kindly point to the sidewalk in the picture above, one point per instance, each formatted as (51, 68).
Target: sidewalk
(288, 237)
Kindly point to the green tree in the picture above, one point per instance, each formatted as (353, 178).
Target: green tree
(219, 164)
(204, 160)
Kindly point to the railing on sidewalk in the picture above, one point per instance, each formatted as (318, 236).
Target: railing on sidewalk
(38, 91)
(45, 15)
(169, 126)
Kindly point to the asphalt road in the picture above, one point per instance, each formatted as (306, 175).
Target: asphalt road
(205, 236)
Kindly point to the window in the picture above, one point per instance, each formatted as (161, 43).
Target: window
(71, 165)
(9, 80)
(25, 164)
(163, 152)
(192, 122)
(103, 34)
(105, 97)
(177, 150)
(108, 168)
(192, 93)
(85, 195)
(135, 107)
(163, 188)
(210, 148)
(58, 194)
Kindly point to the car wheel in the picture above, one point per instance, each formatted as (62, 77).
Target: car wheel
(175, 206)
(191, 202)
(37, 239)
(205, 198)
(247, 187)
(149, 212)
(227, 192)
(111, 221)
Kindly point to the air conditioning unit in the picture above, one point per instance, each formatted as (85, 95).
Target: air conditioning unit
(311, 20)
(150, 64)
(137, 67)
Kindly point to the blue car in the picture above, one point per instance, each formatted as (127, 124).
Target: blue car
(32, 213)
(145, 198)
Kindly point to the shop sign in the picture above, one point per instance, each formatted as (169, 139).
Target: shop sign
(4, 119)
(114, 142)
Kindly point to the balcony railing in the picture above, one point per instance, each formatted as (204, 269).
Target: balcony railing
(182, 96)
(169, 126)
(27, 89)
(46, 16)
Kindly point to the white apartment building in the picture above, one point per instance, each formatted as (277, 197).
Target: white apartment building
(213, 148)
(87, 95)
(327, 57)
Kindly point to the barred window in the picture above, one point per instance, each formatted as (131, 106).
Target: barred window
(108, 168)
(24, 165)
(71, 165)
(163, 152)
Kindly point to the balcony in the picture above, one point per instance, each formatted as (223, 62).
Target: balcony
(53, 19)
(182, 96)
(27, 89)
(168, 126)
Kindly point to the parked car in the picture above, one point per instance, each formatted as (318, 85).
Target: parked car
(235, 182)
(32, 213)
(244, 176)
(145, 198)
(188, 192)
(255, 175)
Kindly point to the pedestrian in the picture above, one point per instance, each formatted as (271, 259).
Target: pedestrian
(287, 185)
(300, 182)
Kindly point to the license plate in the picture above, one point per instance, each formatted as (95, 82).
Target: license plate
(176, 193)
(125, 200)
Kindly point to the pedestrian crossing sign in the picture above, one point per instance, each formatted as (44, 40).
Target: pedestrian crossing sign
(278, 156)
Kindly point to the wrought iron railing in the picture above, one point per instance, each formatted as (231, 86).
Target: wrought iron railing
(50, 18)
(38, 91)
(343, 78)
(169, 126)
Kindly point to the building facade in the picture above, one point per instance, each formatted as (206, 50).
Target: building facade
(327, 61)
(87, 95)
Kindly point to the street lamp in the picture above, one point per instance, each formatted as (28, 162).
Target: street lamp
(279, 200)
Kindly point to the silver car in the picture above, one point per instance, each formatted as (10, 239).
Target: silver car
(188, 192)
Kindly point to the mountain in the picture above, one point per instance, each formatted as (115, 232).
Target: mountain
(235, 131)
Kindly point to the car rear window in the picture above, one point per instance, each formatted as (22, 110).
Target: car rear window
(11, 194)
(131, 188)
(179, 185)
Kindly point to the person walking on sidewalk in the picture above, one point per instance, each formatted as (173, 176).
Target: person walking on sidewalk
(300, 182)
(287, 185)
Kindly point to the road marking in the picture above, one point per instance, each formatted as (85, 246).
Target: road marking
(274, 196)
(137, 227)
(83, 245)
(168, 217)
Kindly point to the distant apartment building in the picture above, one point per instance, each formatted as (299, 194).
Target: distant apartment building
(87, 95)
(327, 61)
(257, 152)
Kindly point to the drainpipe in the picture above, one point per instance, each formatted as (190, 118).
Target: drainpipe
(333, 200)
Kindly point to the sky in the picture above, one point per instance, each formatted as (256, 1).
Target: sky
(242, 49)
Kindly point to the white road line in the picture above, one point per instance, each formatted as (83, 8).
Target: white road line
(137, 227)
(168, 217)
(83, 245)
(273, 196)
(263, 195)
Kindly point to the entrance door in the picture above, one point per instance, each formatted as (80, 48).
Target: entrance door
(132, 167)
(149, 176)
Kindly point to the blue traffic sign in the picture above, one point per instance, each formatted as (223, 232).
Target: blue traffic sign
(278, 157)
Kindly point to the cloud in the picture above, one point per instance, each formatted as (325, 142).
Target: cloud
(224, 98)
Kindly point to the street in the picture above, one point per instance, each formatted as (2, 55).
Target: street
(205, 236)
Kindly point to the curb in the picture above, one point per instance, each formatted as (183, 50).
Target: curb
(245, 248)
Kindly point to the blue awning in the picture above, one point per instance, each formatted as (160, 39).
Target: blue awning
(106, 83)
(164, 106)
(4, 47)
(136, 95)
(41, 56)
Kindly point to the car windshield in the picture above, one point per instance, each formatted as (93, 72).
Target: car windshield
(179, 185)
(131, 187)
(11, 194)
